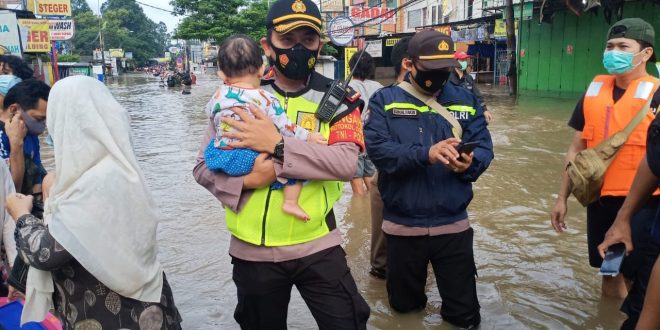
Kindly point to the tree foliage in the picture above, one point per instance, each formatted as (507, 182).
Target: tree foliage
(124, 25)
(206, 22)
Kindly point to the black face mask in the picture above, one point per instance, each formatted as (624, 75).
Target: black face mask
(431, 81)
(295, 63)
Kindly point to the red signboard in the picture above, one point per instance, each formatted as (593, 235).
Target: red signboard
(374, 15)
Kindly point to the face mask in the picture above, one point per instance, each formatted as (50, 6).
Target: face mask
(295, 63)
(463, 65)
(618, 62)
(7, 81)
(431, 81)
(33, 126)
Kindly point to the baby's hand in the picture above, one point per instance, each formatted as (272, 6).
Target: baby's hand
(317, 138)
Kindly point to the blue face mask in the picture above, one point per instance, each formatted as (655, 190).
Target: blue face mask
(463, 65)
(618, 62)
(7, 81)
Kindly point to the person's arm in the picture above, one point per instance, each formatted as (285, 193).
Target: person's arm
(478, 95)
(16, 132)
(476, 129)
(8, 237)
(302, 160)
(233, 192)
(390, 156)
(559, 211)
(644, 184)
(38, 248)
(335, 161)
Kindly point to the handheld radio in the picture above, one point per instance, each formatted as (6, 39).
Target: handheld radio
(337, 91)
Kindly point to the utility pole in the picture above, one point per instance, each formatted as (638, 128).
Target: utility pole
(511, 45)
(101, 40)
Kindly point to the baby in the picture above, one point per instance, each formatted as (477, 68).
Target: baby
(241, 67)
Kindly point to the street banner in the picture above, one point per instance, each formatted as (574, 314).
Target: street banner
(446, 29)
(348, 53)
(50, 7)
(10, 42)
(332, 6)
(391, 42)
(374, 47)
(117, 52)
(61, 29)
(500, 28)
(375, 15)
(35, 35)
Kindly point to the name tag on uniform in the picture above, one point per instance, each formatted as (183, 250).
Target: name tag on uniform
(404, 112)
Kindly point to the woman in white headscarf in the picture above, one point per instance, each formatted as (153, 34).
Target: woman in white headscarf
(96, 248)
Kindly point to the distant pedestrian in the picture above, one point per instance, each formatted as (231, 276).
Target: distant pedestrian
(364, 73)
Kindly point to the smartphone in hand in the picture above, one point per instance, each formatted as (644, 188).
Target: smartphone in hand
(614, 256)
(467, 147)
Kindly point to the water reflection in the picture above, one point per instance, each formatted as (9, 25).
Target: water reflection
(529, 277)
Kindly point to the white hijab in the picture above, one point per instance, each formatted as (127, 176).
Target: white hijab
(99, 208)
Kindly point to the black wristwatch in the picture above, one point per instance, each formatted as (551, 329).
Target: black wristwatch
(279, 150)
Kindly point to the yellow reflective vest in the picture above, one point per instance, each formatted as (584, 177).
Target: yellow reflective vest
(261, 221)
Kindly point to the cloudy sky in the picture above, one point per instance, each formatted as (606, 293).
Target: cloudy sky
(155, 15)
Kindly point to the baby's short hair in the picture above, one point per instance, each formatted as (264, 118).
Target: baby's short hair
(239, 55)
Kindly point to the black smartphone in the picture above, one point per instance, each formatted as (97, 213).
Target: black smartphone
(613, 259)
(467, 147)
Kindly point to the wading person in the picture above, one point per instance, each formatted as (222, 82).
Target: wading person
(643, 300)
(364, 73)
(272, 251)
(426, 183)
(610, 103)
(94, 256)
(378, 252)
(461, 77)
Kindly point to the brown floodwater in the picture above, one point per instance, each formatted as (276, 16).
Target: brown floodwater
(529, 276)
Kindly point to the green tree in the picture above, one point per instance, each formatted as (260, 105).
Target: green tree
(87, 29)
(124, 25)
(79, 6)
(251, 20)
(206, 20)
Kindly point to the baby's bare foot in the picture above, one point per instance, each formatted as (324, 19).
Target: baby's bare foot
(292, 208)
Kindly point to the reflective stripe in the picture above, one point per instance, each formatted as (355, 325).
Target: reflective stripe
(462, 108)
(644, 90)
(396, 105)
(594, 88)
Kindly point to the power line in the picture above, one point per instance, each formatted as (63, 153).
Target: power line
(154, 7)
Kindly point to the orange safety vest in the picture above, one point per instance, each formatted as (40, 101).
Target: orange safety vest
(603, 118)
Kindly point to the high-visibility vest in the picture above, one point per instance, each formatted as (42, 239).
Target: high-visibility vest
(261, 221)
(603, 118)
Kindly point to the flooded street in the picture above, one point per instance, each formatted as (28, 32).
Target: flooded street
(529, 276)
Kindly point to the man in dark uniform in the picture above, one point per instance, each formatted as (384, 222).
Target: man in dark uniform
(272, 251)
(425, 185)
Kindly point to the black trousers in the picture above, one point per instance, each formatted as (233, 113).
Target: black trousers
(648, 252)
(452, 259)
(323, 280)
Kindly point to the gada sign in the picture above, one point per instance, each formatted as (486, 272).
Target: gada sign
(374, 15)
(61, 29)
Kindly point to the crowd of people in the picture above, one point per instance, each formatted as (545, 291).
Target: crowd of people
(81, 239)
